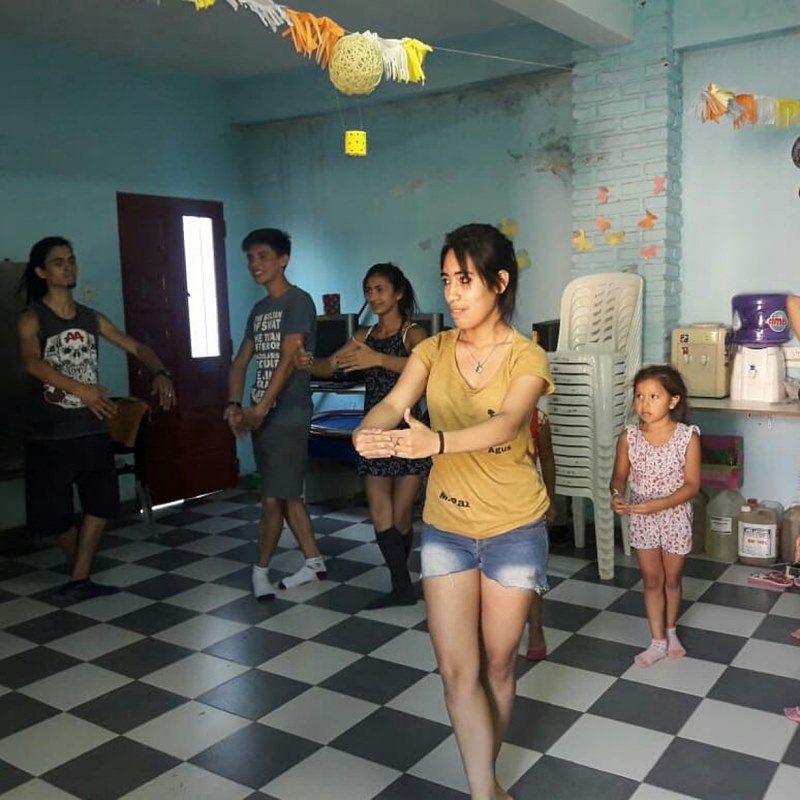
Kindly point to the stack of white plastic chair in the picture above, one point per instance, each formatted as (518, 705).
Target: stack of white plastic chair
(599, 352)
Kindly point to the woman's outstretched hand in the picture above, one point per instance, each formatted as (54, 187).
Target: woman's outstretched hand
(415, 441)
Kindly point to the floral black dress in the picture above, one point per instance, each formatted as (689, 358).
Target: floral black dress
(378, 383)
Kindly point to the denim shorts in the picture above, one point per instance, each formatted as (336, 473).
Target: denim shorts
(516, 559)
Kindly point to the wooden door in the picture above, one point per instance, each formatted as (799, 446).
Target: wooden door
(190, 451)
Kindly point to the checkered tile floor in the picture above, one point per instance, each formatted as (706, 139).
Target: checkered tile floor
(183, 686)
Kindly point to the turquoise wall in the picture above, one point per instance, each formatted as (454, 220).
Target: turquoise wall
(741, 213)
(434, 163)
(76, 130)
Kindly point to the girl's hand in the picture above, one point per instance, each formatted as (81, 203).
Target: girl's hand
(552, 513)
(374, 442)
(357, 356)
(415, 441)
(618, 505)
(648, 507)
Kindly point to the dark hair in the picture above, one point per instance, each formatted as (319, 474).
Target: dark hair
(277, 239)
(408, 301)
(490, 251)
(35, 288)
(673, 384)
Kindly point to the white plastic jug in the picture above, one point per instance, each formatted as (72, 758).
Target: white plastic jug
(758, 534)
(721, 532)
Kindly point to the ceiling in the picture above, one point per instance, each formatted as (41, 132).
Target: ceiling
(225, 44)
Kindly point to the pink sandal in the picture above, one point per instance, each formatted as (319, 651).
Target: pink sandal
(792, 713)
(774, 580)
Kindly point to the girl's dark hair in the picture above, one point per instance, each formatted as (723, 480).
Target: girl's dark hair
(408, 300)
(490, 252)
(35, 288)
(673, 384)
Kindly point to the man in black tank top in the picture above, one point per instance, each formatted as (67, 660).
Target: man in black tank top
(66, 439)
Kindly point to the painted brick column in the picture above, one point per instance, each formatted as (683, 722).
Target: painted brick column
(627, 113)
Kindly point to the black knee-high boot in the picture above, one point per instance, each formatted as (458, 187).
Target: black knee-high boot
(408, 542)
(392, 545)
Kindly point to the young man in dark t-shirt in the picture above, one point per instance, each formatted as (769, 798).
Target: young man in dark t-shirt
(67, 443)
(280, 412)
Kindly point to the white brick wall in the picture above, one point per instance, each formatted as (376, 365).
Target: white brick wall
(626, 107)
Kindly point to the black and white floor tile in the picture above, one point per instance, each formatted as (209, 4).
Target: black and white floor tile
(184, 686)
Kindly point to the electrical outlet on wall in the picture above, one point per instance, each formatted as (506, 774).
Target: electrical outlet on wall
(89, 293)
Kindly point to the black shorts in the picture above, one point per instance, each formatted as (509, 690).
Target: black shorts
(54, 466)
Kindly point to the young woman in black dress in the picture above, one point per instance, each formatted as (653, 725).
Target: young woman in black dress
(391, 484)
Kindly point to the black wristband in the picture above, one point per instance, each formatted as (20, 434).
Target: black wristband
(441, 442)
(233, 403)
(165, 372)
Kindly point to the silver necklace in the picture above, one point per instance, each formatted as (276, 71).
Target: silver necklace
(479, 365)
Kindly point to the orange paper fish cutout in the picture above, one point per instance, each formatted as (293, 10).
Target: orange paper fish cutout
(602, 223)
(580, 239)
(602, 195)
(659, 184)
(648, 220)
(649, 252)
(615, 238)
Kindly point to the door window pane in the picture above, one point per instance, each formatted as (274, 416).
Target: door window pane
(201, 284)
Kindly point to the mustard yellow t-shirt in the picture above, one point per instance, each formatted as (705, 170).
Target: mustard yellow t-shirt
(491, 491)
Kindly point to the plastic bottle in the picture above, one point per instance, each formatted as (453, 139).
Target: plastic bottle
(721, 531)
(790, 534)
(757, 527)
(699, 509)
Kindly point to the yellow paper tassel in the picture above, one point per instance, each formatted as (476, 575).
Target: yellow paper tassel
(417, 51)
(787, 112)
(355, 143)
(201, 4)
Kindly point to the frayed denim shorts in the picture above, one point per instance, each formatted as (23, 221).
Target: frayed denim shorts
(516, 559)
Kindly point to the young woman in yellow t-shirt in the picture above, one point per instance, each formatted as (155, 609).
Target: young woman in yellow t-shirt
(484, 540)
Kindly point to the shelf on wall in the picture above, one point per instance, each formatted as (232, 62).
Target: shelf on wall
(790, 408)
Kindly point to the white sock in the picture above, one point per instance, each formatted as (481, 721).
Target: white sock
(312, 570)
(261, 584)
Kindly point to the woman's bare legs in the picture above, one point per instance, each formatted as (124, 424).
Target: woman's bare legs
(479, 700)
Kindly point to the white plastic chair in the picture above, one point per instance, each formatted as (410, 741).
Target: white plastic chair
(599, 352)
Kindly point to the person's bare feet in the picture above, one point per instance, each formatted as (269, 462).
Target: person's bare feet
(795, 634)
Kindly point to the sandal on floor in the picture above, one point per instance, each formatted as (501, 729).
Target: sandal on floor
(770, 580)
(536, 653)
(792, 713)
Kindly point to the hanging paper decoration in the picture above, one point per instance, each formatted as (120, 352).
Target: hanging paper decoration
(602, 224)
(659, 184)
(580, 239)
(602, 195)
(715, 103)
(317, 37)
(416, 52)
(648, 220)
(313, 35)
(615, 238)
(355, 143)
(356, 65)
